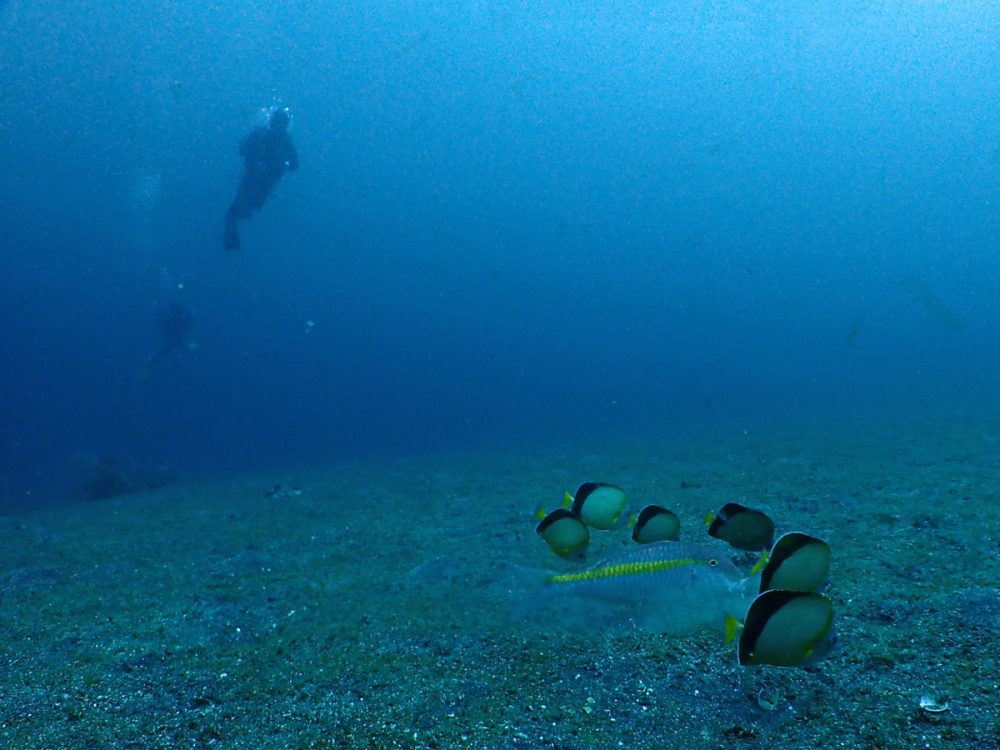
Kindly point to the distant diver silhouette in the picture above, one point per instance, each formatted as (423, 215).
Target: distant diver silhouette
(175, 323)
(267, 152)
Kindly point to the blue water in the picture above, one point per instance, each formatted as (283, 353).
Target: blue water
(513, 221)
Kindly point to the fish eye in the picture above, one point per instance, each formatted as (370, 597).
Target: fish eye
(713, 563)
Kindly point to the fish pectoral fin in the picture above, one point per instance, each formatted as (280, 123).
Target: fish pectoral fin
(764, 557)
(732, 628)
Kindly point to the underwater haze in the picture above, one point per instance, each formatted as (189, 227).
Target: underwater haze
(513, 223)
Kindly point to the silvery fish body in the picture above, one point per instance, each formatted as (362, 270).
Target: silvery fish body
(672, 587)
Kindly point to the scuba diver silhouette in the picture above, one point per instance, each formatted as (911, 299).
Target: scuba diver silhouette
(175, 323)
(267, 152)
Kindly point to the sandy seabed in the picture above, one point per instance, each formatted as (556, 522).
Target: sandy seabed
(384, 605)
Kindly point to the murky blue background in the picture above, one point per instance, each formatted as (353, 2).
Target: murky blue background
(513, 222)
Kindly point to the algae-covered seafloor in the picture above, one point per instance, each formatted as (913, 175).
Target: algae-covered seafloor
(379, 606)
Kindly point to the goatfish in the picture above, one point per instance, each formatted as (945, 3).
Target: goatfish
(665, 587)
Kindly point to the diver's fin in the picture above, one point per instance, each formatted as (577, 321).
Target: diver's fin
(154, 358)
(231, 237)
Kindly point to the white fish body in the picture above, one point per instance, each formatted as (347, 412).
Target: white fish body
(667, 587)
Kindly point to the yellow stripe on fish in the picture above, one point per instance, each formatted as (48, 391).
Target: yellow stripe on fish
(621, 570)
(674, 587)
